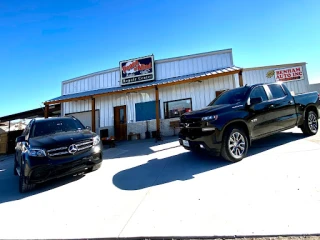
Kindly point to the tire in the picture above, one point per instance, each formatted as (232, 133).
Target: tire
(23, 185)
(310, 124)
(15, 166)
(230, 151)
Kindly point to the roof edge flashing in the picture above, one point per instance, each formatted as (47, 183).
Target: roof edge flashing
(115, 69)
(274, 66)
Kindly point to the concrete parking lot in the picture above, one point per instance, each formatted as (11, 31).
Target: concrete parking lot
(159, 189)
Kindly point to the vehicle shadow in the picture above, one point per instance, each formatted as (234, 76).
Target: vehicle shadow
(141, 147)
(155, 172)
(273, 141)
(188, 164)
(9, 183)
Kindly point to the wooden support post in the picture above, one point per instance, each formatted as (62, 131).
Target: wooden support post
(93, 114)
(157, 113)
(46, 111)
(240, 79)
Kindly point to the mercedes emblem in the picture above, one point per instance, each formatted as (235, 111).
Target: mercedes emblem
(73, 149)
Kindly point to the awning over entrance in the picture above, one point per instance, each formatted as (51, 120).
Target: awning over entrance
(147, 85)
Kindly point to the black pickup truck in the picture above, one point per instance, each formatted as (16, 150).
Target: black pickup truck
(229, 124)
(55, 147)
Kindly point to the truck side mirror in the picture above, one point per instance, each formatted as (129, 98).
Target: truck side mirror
(256, 100)
(20, 139)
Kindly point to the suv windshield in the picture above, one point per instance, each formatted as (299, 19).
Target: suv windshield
(52, 126)
(231, 96)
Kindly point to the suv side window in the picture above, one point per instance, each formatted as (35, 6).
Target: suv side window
(27, 129)
(259, 92)
(276, 91)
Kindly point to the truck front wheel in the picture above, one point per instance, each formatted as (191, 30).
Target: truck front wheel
(234, 145)
(310, 124)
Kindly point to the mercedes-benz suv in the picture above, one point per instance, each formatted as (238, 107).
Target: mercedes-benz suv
(55, 147)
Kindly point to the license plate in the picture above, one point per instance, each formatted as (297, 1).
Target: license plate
(185, 143)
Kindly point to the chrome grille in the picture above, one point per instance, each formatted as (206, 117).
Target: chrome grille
(84, 145)
(58, 151)
(81, 146)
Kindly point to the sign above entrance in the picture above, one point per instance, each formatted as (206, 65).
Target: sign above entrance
(137, 70)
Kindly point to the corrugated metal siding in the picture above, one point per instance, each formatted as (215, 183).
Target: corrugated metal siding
(106, 104)
(251, 77)
(106, 80)
(202, 93)
(193, 65)
(163, 70)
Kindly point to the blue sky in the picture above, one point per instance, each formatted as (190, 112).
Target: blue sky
(44, 42)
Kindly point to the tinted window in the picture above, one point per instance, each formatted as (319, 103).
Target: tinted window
(52, 126)
(259, 92)
(276, 91)
(176, 108)
(231, 97)
(27, 129)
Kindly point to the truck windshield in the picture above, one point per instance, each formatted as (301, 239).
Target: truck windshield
(231, 96)
(52, 126)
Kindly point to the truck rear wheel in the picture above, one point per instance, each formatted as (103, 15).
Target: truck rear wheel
(234, 145)
(310, 124)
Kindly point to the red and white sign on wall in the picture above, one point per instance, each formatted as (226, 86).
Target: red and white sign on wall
(289, 74)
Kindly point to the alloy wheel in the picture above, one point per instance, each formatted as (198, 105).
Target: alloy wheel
(313, 122)
(236, 145)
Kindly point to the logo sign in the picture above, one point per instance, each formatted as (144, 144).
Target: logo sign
(73, 149)
(137, 70)
(289, 74)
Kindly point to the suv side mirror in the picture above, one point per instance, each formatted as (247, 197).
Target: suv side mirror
(254, 101)
(20, 139)
(89, 128)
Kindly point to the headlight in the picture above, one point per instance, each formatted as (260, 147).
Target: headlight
(96, 140)
(208, 118)
(33, 152)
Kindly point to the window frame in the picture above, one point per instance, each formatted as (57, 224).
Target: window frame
(271, 95)
(177, 100)
(265, 91)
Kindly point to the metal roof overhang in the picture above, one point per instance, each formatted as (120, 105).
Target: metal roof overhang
(38, 112)
(146, 85)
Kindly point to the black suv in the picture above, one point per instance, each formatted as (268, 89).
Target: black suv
(55, 147)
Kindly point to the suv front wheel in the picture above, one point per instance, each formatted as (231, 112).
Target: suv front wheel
(24, 186)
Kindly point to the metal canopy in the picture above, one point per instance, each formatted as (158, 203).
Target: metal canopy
(147, 85)
(54, 110)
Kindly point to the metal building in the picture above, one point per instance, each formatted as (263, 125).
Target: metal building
(123, 99)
